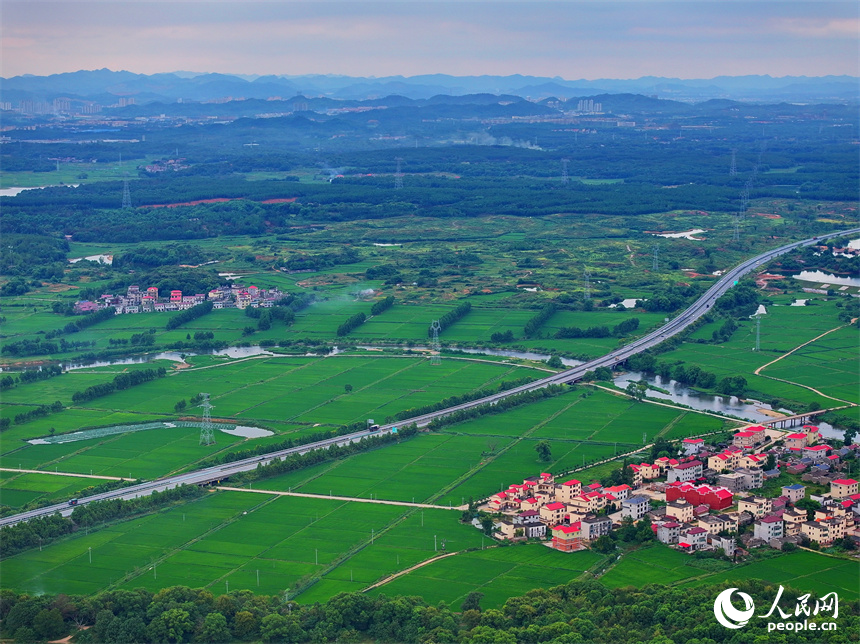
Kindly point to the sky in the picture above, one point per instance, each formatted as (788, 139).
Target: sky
(571, 39)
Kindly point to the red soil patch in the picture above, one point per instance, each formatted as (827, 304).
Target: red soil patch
(767, 216)
(189, 203)
(216, 200)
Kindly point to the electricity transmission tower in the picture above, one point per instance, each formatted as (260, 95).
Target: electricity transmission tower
(398, 177)
(126, 193)
(655, 264)
(587, 284)
(435, 347)
(207, 436)
(757, 333)
(733, 171)
(564, 177)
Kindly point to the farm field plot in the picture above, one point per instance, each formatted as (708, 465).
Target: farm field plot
(232, 538)
(145, 454)
(829, 365)
(417, 536)
(803, 570)
(651, 565)
(498, 572)
(16, 490)
(411, 471)
(284, 393)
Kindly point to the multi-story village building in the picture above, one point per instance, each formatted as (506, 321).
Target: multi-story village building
(683, 472)
(757, 506)
(693, 539)
(792, 520)
(553, 513)
(817, 531)
(568, 490)
(749, 437)
(567, 538)
(767, 528)
(716, 523)
(692, 445)
(818, 453)
(715, 497)
(681, 511)
(593, 527)
(728, 459)
(794, 492)
(669, 532)
(635, 507)
(843, 488)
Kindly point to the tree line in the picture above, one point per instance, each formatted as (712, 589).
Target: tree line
(618, 331)
(451, 316)
(579, 612)
(196, 311)
(121, 381)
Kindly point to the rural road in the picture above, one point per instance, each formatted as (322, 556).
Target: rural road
(671, 328)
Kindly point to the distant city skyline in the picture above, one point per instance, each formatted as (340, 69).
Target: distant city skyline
(583, 39)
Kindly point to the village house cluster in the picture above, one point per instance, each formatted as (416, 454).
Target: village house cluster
(704, 498)
(136, 300)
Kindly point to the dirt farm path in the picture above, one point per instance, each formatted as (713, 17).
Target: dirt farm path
(83, 476)
(335, 497)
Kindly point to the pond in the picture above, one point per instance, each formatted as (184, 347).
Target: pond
(751, 410)
(827, 278)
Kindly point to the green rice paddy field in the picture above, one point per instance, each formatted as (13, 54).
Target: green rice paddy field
(807, 571)
(287, 394)
(225, 538)
(828, 365)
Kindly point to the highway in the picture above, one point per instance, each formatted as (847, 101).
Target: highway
(671, 328)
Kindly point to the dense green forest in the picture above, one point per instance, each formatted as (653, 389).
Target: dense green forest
(580, 612)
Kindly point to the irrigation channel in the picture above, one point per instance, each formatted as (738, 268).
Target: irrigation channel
(611, 359)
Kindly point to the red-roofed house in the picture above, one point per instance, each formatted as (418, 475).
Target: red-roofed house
(818, 453)
(668, 532)
(695, 538)
(769, 527)
(756, 461)
(693, 445)
(664, 463)
(747, 439)
(568, 490)
(567, 538)
(683, 472)
(843, 488)
(620, 492)
(812, 434)
(553, 513)
(530, 503)
(796, 440)
(726, 460)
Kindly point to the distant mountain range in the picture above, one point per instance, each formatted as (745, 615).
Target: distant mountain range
(107, 87)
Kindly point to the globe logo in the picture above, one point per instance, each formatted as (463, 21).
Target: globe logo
(727, 614)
